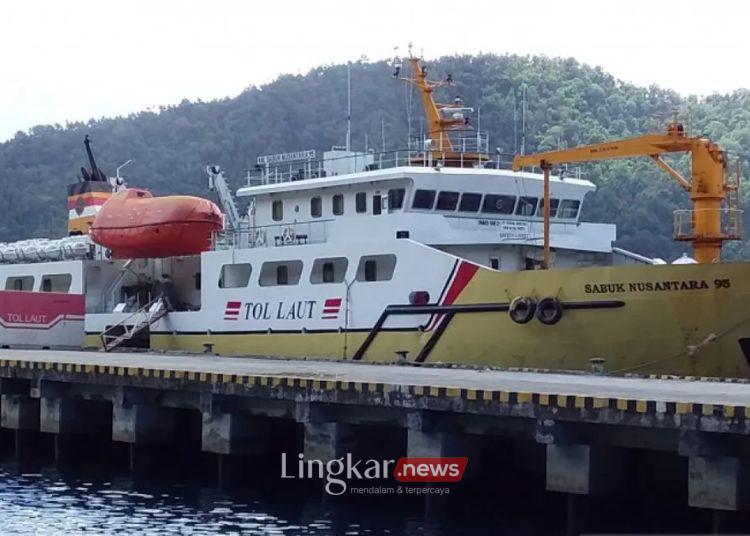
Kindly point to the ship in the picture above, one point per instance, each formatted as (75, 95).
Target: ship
(436, 254)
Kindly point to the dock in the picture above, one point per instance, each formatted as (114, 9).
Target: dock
(584, 425)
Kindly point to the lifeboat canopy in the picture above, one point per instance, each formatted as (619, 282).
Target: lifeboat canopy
(135, 224)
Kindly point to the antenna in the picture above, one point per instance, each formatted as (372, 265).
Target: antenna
(523, 122)
(479, 126)
(382, 132)
(348, 106)
(515, 124)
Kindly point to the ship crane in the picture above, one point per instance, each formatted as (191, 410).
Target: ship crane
(708, 185)
(217, 182)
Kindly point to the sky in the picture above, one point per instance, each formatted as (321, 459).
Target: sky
(78, 59)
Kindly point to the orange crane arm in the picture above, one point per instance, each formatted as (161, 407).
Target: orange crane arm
(652, 145)
(707, 186)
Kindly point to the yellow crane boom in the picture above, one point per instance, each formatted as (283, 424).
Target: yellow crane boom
(707, 185)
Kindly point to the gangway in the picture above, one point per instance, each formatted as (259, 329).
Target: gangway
(125, 330)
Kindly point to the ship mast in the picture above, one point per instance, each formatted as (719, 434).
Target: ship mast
(444, 121)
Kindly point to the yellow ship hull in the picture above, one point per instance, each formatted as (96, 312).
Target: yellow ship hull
(671, 319)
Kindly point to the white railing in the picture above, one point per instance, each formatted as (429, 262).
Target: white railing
(277, 235)
(417, 155)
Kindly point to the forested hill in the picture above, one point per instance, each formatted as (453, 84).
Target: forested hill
(568, 104)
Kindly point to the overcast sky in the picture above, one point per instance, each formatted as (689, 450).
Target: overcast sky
(77, 59)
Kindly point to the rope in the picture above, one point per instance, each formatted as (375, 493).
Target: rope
(690, 351)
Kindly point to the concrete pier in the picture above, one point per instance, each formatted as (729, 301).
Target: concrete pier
(570, 433)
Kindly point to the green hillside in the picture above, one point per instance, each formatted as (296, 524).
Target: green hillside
(568, 104)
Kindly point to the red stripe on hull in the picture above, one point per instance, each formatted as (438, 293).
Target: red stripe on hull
(463, 275)
(38, 308)
(466, 271)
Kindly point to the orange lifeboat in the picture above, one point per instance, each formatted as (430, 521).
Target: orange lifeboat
(135, 224)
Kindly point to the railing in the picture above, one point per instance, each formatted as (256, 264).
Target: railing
(278, 235)
(131, 325)
(463, 156)
(371, 161)
(467, 142)
(730, 224)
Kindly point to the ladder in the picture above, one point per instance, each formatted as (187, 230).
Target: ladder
(115, 335)
(734, 213)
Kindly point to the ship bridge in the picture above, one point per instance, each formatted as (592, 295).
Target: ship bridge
(482, 212)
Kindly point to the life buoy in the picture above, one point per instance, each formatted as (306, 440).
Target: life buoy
(288, 235)
(260, 238)
(521, 309)
(549, 311)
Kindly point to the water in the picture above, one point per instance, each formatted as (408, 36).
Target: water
(173, 496)
(48, 503)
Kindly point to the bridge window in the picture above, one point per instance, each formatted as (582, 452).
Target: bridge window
(280, 273)
(360, 202)
(277, 210)
(337, 204)
(526, 206)
(553, 204)
(331, 270)
(470, 202)
(316, 207)
(499, 204)
(396, 198)
(376, 268)
(56, 283)
(569, 209)
(447, 201)
(234, 275)
(424, 199)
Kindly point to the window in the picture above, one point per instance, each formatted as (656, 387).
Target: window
(376, 268)
(277, 210)
(553, 204)
(280, 273)
(424, 199)
(470, 202)
(337, 204)
(447, 201)
(377, 204)
(360, 200)
(24, 282)
(331, 270)
(498, 204)
(495, 263)
(526, 206)
(233, 275)
(56, 283)
(371, 270)
(396, 198)
(569, 209)
(316, 207)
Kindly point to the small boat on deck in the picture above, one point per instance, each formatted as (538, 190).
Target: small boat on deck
(135, 224)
